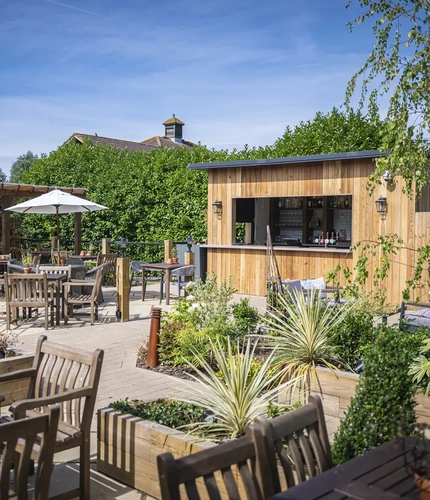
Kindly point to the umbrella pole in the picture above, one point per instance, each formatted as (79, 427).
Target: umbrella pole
(58, 235)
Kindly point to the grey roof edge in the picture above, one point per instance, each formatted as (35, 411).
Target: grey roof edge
(355, 155)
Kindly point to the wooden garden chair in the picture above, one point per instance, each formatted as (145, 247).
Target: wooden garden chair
(70, 378)
(111, 258)
(21, 441)
(31, 291)
(304, 433)
(75, 292)
(235, 461)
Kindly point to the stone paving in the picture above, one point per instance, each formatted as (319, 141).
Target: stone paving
(120, 377)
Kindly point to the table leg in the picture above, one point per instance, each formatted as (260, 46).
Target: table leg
(168, 286)
(57, 303)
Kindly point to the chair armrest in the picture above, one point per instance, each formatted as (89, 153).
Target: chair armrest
(20, 407)
(79, 283)
(18, 375)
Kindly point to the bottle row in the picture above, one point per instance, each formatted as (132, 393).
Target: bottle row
(327, 239)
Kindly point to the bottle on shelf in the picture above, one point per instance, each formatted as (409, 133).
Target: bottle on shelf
(318, 223)
(319, 203)
(346, 204)
(280, 203)
(309, 203)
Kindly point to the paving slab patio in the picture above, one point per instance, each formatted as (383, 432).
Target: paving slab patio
(120, 377)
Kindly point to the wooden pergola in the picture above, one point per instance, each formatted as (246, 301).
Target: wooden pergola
(10, 193)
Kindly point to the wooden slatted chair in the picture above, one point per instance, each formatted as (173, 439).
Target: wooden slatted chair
(28, 291)
(81, 297)
(304, 433)
(235, 460)
(70, 378)
(111, 258)
(21, 441)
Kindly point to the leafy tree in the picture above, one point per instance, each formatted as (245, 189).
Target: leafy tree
(2, 176)
(332, 132)
(21, 165)
(398, 66)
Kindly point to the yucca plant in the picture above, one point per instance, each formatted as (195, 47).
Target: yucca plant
(420, 368)
(234, 391)
(300, 325)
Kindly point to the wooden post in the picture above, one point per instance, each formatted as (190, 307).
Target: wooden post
(167, 250)
(54, 245)
(154, 330)
(5, 218)
(189, 259)
(78, 233)
(105, 245)
(123, 288)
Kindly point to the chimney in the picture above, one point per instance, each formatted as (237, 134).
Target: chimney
(173, 129)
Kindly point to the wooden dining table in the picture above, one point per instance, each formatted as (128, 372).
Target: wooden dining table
(165, 268)
(382, 473)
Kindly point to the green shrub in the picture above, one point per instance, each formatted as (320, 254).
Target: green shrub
(383, 405)
(163, 411)
(245, 320)
(350, 337)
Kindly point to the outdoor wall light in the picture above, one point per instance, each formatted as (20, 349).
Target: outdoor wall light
(122, 246)
(381, 205)
(217, 206)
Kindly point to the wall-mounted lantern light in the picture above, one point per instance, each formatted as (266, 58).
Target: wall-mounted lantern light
(217, 206)
(189, 242)
(122, 246)
(381, 205)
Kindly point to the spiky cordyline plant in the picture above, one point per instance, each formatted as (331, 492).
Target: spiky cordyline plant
(300, 326)
(234, 391)
(420, 368)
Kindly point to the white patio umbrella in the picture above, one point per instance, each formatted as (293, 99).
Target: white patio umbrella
(56, 202)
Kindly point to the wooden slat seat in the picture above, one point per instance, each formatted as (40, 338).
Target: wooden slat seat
(19, 448)
(72, 298)
(301, 432)
(68, 377)
(28, 291)
(228, 467)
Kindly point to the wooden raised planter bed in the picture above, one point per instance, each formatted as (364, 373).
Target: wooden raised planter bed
(14, 391)
(127, 448)
(338, 388)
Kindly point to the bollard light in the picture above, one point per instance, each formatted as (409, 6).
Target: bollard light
(189, 243)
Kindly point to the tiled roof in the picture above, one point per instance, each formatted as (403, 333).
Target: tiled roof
(173, 120)
(165, 142)
(113, 143)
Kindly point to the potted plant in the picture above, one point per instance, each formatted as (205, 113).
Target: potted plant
(82, 253)
(91, 250)
(174, 255)
(27, 261)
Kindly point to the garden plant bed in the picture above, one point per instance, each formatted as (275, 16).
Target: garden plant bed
(15, 390)
(339, 387)
(127, 448)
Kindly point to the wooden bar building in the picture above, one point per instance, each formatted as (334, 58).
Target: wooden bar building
(306, 201)
(11, 194)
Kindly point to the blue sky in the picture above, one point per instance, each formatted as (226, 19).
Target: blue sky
(235, 71)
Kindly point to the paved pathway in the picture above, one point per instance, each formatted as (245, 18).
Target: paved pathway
(120, 378)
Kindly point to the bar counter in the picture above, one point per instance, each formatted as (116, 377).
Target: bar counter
(285, 248)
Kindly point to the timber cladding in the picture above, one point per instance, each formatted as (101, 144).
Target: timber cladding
(16, 389)
(326, 178)
(128, 446)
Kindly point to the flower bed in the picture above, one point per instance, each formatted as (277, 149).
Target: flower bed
(127, 448)
(339, 387)
(15, 390)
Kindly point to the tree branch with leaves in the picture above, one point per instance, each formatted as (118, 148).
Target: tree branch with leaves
(399, 67)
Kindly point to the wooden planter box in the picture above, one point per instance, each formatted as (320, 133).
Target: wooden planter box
(14, 391)
(127, 448)
(339, 387)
